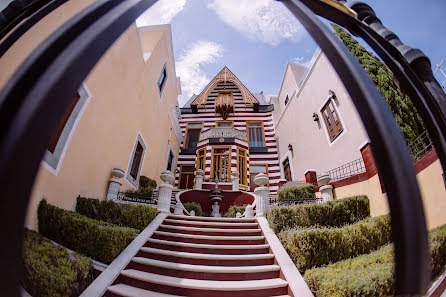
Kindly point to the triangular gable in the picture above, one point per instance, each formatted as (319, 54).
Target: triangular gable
(225, 75)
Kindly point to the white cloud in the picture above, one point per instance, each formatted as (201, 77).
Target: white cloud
(266, 20)
(189, 67)
(297, 60)
(162, 12)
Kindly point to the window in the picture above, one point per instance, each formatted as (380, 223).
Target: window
(201, 159)
(170, 160)
(136, 161)
(241, 166)
(59, 142)
(225, 124)
(192, 135)
(255, 134)
(286, 100)
(162, 80)
(287, 169)
(253, 171)
(331, 119)
(221, 164)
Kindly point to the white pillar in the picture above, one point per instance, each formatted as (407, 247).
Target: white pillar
(165, 191)
(199, 174)
(326, 193)
(235, 180)
(178, 209)
(114, 184)
(261, 194)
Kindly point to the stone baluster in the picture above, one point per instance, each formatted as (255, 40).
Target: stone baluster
(261, 193)
(178, 209)
(235, 181)
(199, 175)
(249, 211)
(114, 184)
(165, 191)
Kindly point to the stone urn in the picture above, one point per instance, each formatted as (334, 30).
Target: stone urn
(261, 179)
(323, 179)
(117, 172)
(167, 176)
(216, 197)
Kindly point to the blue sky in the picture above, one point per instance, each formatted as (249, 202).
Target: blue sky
(256, 39)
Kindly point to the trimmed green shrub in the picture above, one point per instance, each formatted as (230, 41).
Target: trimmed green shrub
(99, 240)
(50, 270)
(146, 182)
(316, 247)
(195, 207)
(233, 210)
(334, 213)
(370, 274)
(296, 192)
(145, 192)
(127, 215)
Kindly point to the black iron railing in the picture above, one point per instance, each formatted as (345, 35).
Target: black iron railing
(291, 202)
(421, 146)
(136, 197)
(352, 168)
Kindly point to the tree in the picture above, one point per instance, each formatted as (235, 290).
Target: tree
(400, 104)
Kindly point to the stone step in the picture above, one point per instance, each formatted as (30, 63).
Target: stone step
(207, 248)
(129, 291)
(210, 231)
(193, 238)
(194, 287)
(205, 272)
(206, 259)
(211, 219)
(211, 224)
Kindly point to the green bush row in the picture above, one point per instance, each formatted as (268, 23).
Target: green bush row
(370, 274)
(146, 182)
(316, 247)
(49, 270)
(233, 210)
(296, 192)
(127, 215)
(334, 213)
(195, 207)
(99, 240)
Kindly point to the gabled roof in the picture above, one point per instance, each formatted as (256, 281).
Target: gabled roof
(225, 75)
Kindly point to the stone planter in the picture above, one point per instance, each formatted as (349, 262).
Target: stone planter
(323, 180)
(117, 172)
(167, 176)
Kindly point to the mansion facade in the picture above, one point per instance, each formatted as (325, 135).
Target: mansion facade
(227, 129)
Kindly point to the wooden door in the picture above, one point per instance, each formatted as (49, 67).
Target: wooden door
(186, 177)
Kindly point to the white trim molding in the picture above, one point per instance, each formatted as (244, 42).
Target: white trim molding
(135, 182)
(324, 126)
(363, 144)
(53, 161)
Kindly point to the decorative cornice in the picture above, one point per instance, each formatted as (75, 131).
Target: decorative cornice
(225, 75)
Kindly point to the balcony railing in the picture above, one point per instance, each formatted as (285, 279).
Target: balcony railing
(140, 198)
(217, 132)
(352, 168)
(420, 146)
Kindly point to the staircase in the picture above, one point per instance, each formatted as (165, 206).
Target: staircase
(199, 256)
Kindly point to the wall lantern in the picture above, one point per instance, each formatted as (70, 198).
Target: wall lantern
(290, 147)
(332, 94)
(315, 117)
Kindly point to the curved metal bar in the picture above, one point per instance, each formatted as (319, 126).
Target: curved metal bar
(391, 154)
(23, 27)
(33, 102)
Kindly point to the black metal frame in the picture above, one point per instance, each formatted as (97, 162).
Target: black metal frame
(36, 96)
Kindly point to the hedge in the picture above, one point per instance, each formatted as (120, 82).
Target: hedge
(195, 207)
(334, 213)
(99, 240)
(370, 274)
(316, 247)
(127, 215)
(146, 182)
(50, 270)
(296, 192)
(233, 210)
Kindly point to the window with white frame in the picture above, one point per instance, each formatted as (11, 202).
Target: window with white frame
(58, 144)
(162, 80)
(170, 160)
(331, 120)
(136, 161)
